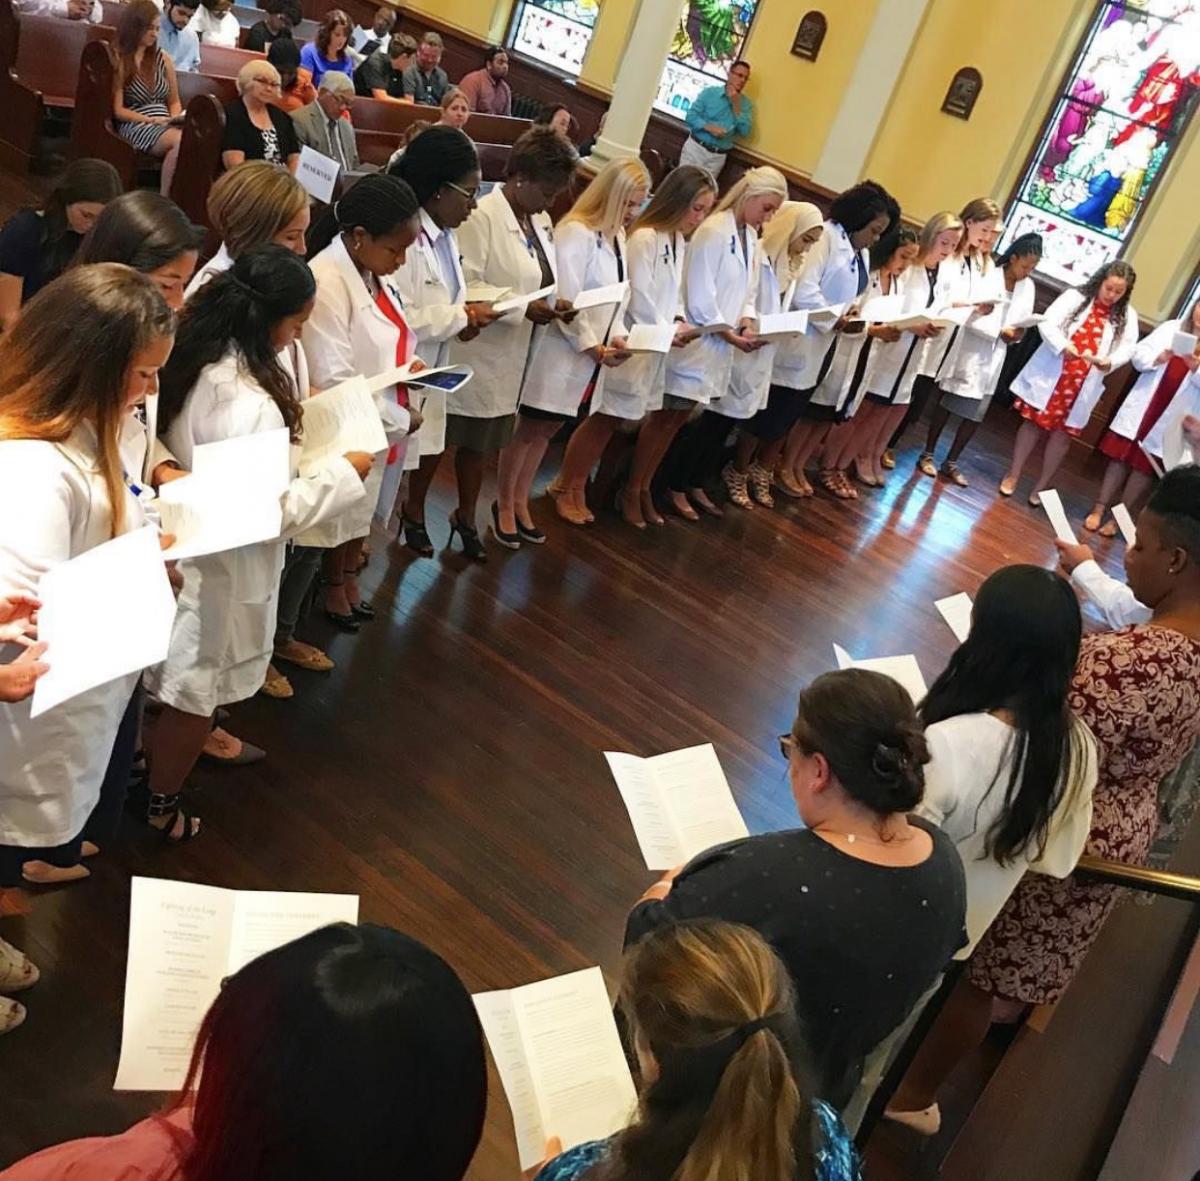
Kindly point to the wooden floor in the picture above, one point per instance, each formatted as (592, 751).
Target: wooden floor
(449, 771)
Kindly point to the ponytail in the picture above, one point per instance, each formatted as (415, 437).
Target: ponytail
(379, 203)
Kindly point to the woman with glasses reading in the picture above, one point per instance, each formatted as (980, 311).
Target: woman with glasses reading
(254, 128)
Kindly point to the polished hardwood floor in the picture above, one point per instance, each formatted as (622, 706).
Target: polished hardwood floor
(449, 771)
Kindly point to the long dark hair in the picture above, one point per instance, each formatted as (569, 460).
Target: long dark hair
(1119, 310)
(94, 181)
(240, 307)
(1020, 656)
(134, 19)
(352, 1052)
(141, 229)
(379, 203)
(334, 19)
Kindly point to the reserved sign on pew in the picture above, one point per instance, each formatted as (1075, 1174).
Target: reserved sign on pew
(318, 174)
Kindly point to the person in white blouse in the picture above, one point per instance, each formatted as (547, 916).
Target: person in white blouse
(970, 383)
(1010, 777)
(443, 169)
(215, 24)
(236, 370)
(1087, 332)
(1114, 599)
(721, 284)
(358, 327)
(1167, 389)
(68, 438)
(569, 361)
(507, 244)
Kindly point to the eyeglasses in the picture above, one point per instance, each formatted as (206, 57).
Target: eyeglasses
(470, 194)
(269, 83)
(787, 747)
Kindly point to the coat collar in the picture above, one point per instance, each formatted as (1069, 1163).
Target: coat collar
(344, 264)
(430, 229)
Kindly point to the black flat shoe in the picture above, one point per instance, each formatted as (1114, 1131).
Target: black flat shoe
(531, 534)
(346, 623)
(416, 537)
(508, 540)
(363, 611)
(472, 544)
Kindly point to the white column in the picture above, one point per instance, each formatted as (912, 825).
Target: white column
(501, 11)
(637, 80)
(868, 93)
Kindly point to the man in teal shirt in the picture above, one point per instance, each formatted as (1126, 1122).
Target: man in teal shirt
(718, 115)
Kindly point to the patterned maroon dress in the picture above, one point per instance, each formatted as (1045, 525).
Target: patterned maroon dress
(1138, 689)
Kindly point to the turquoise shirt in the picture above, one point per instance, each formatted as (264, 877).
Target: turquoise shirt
(712, 105)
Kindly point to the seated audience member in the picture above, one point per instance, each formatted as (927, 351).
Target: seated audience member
(215, 24)
(175, 36)
(425, 79)
(1110, 596)
(321, 126)
(254, 129)
(558, 118)
(72, 10)
(455, 109)
(487, 89)
(282, 17)
(146, 96)
(381, 75)
(588, 146)
(724, 1086)
(387, 1080)
(406, 137)
(296, 87)
(366, 41)
(327, 50)
(865, 904)
(37, 244)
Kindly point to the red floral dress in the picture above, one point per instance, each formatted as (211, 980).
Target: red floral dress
(1138, 690)
(1086, 339)
(1127, 450)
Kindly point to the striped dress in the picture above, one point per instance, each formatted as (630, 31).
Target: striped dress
(147, 99)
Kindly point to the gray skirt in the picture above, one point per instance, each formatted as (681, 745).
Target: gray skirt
(972, 409)
(484, 435)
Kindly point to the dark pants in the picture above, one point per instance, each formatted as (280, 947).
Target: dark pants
(299, 569)
(923, 389)
(697, 454)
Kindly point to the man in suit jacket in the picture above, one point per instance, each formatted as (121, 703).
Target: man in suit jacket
(321, 126)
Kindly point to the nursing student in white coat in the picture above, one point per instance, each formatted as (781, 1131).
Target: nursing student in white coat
(1010, 779)
(442, 168)
(66, 420)
(358, 327)
(569, 361)
(835, 273)
(970, 382)
(508, 242)
(1087, 332)
(720, 286)
(1168, 388)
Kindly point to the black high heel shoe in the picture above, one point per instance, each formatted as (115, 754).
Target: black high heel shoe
(508, 540)
(362, 609)
(472, 544)
(348, 621)
(416, 537)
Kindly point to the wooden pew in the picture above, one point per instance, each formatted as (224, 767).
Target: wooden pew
(218, 61)
(247, 16)
(370, 114)
(199, 155)
(39, 68)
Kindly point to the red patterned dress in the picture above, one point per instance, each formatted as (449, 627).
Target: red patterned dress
(1086, 339)
(1138, 690)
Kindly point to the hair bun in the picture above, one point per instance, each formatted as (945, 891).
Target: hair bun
(898, 769)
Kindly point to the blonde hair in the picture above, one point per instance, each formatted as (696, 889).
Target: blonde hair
(981, 209)
(252, 70)
(937, 225)
(251, 203)
(601, 206)
(674, 198)
(754, 183)
(453, 92)
(792, 220)
(728, 1103)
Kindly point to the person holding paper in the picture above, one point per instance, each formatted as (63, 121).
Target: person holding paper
(569, 361)
(721, 286)
(834, 276)
(1010, 779)
(1087, 332)
(1169, 385)
(710, 1013)
(358, 326)
(66, 421)
(236, 370)
(442, 167)
(389, 1070)
(507, 242)
(1110, 596)
(328, 50)
(18, 627)
(970, 383)
(862, 894)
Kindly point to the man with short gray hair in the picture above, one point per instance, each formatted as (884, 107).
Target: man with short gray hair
(321, 127)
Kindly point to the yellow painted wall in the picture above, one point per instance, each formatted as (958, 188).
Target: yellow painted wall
(471, 16)
(608, 42)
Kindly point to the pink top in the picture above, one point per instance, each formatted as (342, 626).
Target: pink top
(484, 95)
(149, 1151)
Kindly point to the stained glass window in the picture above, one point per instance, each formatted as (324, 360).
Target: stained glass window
(708, 41)
(556, 32)
(1118, 117)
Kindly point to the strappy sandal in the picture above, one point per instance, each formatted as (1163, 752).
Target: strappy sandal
(148, 806)
(416, 537)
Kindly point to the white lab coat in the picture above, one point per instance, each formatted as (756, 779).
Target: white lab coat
(834, 388)
(750, 374)
(217, 265)
(655, 272)
(224, 30)
(494, 251)
(347, 335)
(225, 627)
(973, 367)
(1128, 419)
(893, 365)
(559, 367)
(56, 508)
(1035, 383)
(829, 275)
(958, 281)
(716, 290)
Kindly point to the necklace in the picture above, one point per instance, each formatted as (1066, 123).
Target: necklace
(853, 838)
